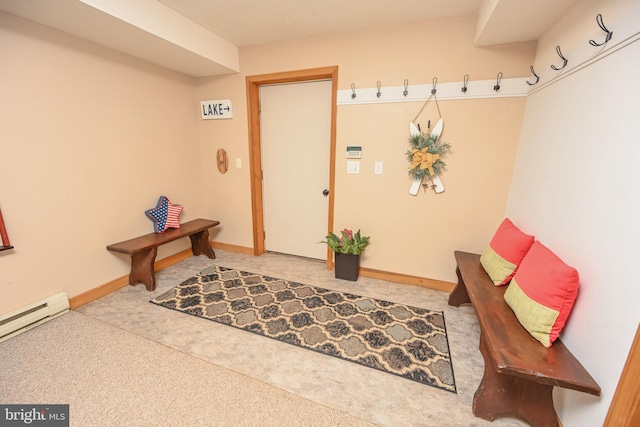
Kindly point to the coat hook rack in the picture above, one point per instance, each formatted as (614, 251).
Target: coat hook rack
(601, 25)
(564, 60)
(475, 89)
(498, 80)
(464, 85)
(378, 85)
(537, 77)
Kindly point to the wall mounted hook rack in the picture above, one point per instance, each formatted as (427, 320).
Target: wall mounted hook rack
(498, 80)
(465, 82)
(601, 25)
(536, 76)
(564, 60)
(478, 89)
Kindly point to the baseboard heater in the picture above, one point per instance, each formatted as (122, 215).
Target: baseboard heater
(32, 315)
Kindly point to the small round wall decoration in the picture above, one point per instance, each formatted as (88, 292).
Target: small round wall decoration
(222, 161)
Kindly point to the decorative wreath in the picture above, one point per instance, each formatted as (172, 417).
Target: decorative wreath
(425, 155)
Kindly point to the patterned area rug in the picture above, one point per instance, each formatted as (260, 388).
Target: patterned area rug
(402, 340)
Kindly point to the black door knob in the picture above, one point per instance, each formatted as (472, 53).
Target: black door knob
(325, 192)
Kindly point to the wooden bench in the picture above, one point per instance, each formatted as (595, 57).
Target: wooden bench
(519, 372)
(143, 249)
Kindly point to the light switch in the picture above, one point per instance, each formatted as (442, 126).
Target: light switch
(378, 168)
(238, 162)
(353, 167)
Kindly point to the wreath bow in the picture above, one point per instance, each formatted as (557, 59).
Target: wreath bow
(423, 159)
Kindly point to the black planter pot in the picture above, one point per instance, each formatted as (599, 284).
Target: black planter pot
(347, 266)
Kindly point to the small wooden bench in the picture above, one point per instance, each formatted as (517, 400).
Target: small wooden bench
(143, 249)
(519, 372)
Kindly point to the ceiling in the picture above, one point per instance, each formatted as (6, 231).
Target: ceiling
(202, 37)
(252, 22)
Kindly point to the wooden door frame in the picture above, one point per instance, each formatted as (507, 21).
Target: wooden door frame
(625, 404)
(255, 156)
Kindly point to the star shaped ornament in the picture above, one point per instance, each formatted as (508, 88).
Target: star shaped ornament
(165, 215)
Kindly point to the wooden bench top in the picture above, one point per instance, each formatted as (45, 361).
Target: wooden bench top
(512, 349)
(143, 243)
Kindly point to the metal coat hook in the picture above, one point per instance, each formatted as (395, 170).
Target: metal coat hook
(601, 25)
(405, 92)
(537, 77)
(498, 80)
(378, 93)
(353, 91)
(434, 82)
(465, 81)
(564, 60)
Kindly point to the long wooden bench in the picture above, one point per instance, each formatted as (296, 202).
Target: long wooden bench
(143, 249)
(519, 372)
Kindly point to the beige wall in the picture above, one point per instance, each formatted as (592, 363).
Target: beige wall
(410, 235)
(228, 196)
(89, 139)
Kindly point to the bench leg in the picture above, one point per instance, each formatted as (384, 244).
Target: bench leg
(142, 269)
(200, 244)
(501, 395)
(459, 294)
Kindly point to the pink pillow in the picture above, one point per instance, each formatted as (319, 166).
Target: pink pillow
(542, 293)
(506, 250)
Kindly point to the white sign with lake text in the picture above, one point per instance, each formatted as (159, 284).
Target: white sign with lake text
(217, 109)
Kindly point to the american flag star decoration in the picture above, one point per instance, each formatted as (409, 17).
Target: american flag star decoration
(165, 215)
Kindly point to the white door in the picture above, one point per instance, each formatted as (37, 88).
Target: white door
(295, 126)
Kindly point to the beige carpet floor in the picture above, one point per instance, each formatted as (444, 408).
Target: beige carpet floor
(121, 361)
(111, 377)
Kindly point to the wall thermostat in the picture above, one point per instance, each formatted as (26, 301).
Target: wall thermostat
(354, 152)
